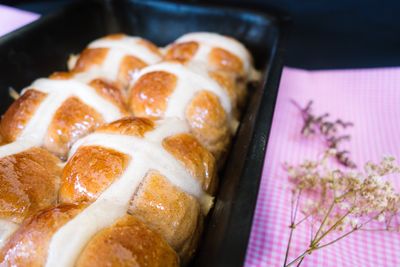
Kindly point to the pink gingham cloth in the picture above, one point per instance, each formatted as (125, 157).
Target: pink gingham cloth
(12, 18)
(369, 98)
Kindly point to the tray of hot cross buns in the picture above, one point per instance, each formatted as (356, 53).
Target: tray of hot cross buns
(133, 133)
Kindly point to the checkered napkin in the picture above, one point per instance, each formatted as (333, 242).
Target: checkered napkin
(370, 99)
(11, 19)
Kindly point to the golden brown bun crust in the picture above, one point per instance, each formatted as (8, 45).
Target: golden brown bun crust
(127, 68)
(72, 120)
(227, 81)
(106, 89)
(184, 147)
(28, 183)
(163, 207)
(182, 52)
(28, 245)
(219, 58)
(95, 56)
(134, 126)
(224, 60)
(114, 36)
(89, 58)
(196, 158)
(208, 120)
(225, 68)
(149, 95)
(209, 123)
(128, 242)
(89, 172)
(169, 212)
(61, 75)
(111, 93)
(19, 113)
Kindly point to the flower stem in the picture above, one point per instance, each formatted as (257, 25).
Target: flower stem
(337, 239)
(305, 218)
(288, 245)
(317, 240)
(292, 226)
(348, 233)
(297, 259)
(324, 220)
(301, 260)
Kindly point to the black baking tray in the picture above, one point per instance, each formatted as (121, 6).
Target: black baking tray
(42, 47)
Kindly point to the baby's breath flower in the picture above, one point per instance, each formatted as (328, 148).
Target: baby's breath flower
(381, 218)
(344, 205)
(342, 201)
(354, 222)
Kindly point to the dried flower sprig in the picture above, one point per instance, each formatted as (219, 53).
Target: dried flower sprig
(341, 202)
(328, 130)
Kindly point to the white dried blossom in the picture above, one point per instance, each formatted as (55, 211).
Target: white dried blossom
(344, 205)
(355, 222)
(381, 218)
(354, 195)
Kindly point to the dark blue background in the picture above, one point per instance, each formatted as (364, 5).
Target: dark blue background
(339, 33)
(323, 34)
